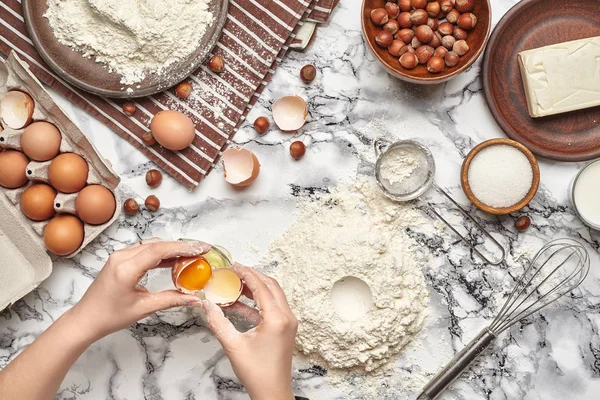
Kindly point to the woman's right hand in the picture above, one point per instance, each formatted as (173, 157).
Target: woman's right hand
(261, 357)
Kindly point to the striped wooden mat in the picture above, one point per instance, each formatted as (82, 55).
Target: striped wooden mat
(254, 41)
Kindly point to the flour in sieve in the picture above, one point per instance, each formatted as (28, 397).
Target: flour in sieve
(353, 231)
(133, 38)
(399, 163)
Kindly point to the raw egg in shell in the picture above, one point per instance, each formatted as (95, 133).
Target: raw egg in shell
(37, 202)
(191, 274)
(68, 173)
(64, 234)
(13, 169)
(41, 141)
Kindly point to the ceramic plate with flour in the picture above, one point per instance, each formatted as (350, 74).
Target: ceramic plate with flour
(102, 78)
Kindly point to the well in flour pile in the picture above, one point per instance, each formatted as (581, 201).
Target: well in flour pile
(133, 38)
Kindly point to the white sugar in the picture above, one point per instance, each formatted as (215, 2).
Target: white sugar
(500, 176)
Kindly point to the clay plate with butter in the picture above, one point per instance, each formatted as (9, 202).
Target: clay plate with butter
(573, 136)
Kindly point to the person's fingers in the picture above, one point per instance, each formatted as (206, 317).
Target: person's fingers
(220, 326)
(152, 254)
(167, 299)
(276, 290)
(247, 292)
(128, 252)
(260, 291)
(250, 314)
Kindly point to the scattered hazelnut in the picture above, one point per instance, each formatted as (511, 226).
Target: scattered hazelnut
(460, 47)
(446, 5)
(452, 16)
(433, 9)
(152, 203)
(451, 59)
(424, 53)
(463, 6)
(131, 207)
(391, 26)
(445, 28)
(415, 43)
(384, 38)
(392, 9)
(404, 5)
(297, 150)
(395, 47)
(129, 109)
(448, 42)
(418, 4)
(379, 16)
(435, 64)
(467, 21)
(308, 73)
(436, 41)
(424, 34)
(261, 124)
(183, 90)
(459, 33)
(148, 139)
(409, 60)
(406, 35)
(522, 223)
(433, 23)
(440, 52)
(216, 64)
(404, 20)
(154, 178)
(418, 17)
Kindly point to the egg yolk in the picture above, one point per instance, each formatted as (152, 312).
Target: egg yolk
(195, 276)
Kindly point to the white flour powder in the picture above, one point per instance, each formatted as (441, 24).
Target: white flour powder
(353, 232)
(134, 38)
(399, 163)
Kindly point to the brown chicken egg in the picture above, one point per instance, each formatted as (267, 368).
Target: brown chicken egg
(63, 234)
(37, 202)
(95, 205)
(41, 141)
(68, 173)
(13, 167)
(173, 130)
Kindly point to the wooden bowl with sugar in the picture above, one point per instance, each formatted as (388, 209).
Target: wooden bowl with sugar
(464, 176)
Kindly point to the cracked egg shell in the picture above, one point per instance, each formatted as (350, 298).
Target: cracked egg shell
(240, 166)
(289, 113)
(191, 274)
(16, 109)
(224, 288)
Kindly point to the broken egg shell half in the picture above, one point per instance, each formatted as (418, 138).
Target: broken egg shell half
(240, 166)
(16, 109)
(224, 288)
(290, 112)
(194, 279)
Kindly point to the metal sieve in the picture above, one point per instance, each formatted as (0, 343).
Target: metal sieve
(420, 180)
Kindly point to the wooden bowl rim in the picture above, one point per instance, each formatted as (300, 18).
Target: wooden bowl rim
(464, 176)
(437, 78)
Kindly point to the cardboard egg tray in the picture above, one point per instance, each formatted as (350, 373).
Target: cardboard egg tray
(24, 260)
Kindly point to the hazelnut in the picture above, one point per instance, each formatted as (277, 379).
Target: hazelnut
(467, 21)
(404, 5)
(522, 223)
(379, 16)
(460, 47)
(424, 34)
(418, 4)
(148, 139)
(418, 17)
(154, 178)
(448, 42)
(441, 15)
(409, 60)
(406, 35)
(463, 6)
(445, 28)
(406, 49)
(433, 23)
(131, 207)
(446, 5)
(216, 64)
(436, 41)
(129, 109)
(451, 59)
(384, 39)
(452, 16)
(404, 20)
(391, 26)
(395, 47)
(459, 33)
(433, 9)
(440, 52)
(183, 90)
(392, 9)
(435, 64)
(152, 203)
(308, 73)
(415, 43)
(261, 124)
(297, 150)
(424, 53)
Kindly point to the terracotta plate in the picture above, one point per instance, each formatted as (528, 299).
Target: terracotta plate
(92, 77)
(573, 136)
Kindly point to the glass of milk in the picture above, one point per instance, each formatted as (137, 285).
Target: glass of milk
(585, 194)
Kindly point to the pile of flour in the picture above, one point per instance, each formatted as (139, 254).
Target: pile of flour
(134, 38)
(353, 231)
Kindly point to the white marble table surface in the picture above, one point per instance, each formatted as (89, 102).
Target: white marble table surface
(552, 355)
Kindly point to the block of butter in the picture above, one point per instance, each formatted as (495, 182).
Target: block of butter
(562, 77)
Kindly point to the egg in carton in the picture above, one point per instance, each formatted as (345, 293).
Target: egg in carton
(80, 178)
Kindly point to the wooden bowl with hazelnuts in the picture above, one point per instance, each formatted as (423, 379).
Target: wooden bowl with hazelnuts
(425, 41)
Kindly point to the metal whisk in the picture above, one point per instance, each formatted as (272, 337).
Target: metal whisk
(558, 268)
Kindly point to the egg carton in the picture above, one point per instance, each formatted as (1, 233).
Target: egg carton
(24, 259)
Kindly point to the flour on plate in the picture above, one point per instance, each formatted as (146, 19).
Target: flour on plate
(133, 38)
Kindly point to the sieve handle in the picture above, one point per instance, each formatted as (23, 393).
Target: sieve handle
(379, 145)
(477, 224)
